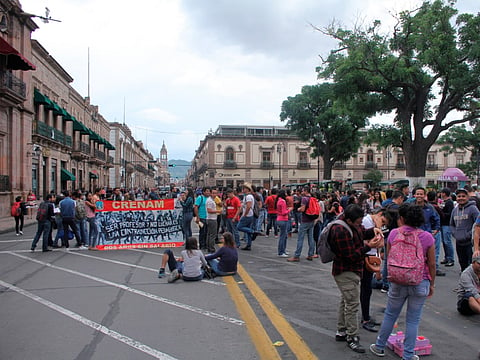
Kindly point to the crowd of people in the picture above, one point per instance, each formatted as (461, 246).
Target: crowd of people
(373, 221)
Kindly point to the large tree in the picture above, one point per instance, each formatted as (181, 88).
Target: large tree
(329, 129)
(464, 138)
(426, 73)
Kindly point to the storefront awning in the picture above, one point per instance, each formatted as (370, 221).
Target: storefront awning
(13, 59)
(93, 175)
(78, 126)
(39, 98)
(67, 175)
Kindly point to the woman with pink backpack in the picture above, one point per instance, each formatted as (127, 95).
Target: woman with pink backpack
(412, 282)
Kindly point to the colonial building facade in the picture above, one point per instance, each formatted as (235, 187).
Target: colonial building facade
(268, 156)
(51, 137)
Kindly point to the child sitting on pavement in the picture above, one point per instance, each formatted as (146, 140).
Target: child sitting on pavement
(188, 266)
(224, 261)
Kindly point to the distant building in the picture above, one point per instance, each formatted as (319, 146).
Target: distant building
(272, 155)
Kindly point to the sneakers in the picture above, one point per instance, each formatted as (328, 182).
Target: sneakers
(161, 273)
(340, 336)
(374, 349)
(246, 247)
(283, 255)
(173, 276)
(83, 247)
(415, 357)
(384, 289)
(21, 232)
(309, 258)
(353, 342)
(440, 273)
(18, 234)
(293, 259)
(449, 263)
(369, 326)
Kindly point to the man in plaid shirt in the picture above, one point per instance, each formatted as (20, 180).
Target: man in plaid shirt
(347, 270)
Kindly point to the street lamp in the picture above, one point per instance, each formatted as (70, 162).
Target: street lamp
(280, 149)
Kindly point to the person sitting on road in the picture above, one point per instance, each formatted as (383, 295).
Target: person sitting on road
(469, 289)
(188, 266)
(224, 261)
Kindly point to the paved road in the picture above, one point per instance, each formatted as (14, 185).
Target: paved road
(111, 305)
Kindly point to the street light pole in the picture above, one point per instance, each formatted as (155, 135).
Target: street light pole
(279, 150)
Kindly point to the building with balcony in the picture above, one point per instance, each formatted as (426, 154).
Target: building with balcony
(268, 156)
(16, 98)
(135, 166)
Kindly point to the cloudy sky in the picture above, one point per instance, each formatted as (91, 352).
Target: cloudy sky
(183, 67)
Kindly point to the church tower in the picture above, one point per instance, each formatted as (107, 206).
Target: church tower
(164, 156)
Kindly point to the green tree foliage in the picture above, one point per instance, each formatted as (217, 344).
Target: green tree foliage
(331, 130)
(426, 73)
(463, 138)
(375, 175)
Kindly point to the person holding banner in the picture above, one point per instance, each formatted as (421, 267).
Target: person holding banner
(188, 266)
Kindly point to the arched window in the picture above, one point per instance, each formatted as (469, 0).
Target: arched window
(229, 154)
(370, 156)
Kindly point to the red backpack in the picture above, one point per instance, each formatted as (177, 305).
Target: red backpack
(313, 209)
(16, 210)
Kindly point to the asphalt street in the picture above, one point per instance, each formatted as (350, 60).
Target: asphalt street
(81, 304)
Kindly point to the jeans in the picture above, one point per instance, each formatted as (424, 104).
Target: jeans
(438, 244)
(246, 225)
(305, 228)
(43, 227)
(272, 223)
(282, 240)
(92, 231)
(415, 296)
(232, 228)
(262, 214)
(214, 265)
(447, 243)
(187, 225)
(59, 222)
(82, 228)
(69, 222)
(348, 283)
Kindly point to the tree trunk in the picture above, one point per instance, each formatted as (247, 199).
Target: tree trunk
(416, 158)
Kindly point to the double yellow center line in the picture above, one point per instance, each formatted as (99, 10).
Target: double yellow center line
(260, 338)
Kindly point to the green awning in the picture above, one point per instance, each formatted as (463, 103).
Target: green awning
(93, 175)
(67, 175)
(78, 126)
(69, 117)
(39, 98)
(93, 135)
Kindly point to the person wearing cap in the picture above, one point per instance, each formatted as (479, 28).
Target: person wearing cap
(246, 222)
(463, 217)
(469, 289)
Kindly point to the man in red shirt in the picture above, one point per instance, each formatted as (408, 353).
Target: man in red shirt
(271, 213)
(233, 206)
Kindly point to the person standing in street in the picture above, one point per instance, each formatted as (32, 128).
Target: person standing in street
(44, 218)
(347, 270)
(283, 213)
(212, 215)
(463, 217)
(233, 206)
(306, 228)
(200, 212)
(415, 295)
(19, 210)
(247, 220)
(447, 206)
(67, 210)
(271, 213)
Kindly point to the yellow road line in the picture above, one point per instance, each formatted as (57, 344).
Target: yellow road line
(291, 337)
(259, 336)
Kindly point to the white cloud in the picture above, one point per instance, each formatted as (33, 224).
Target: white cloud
(186, 66)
